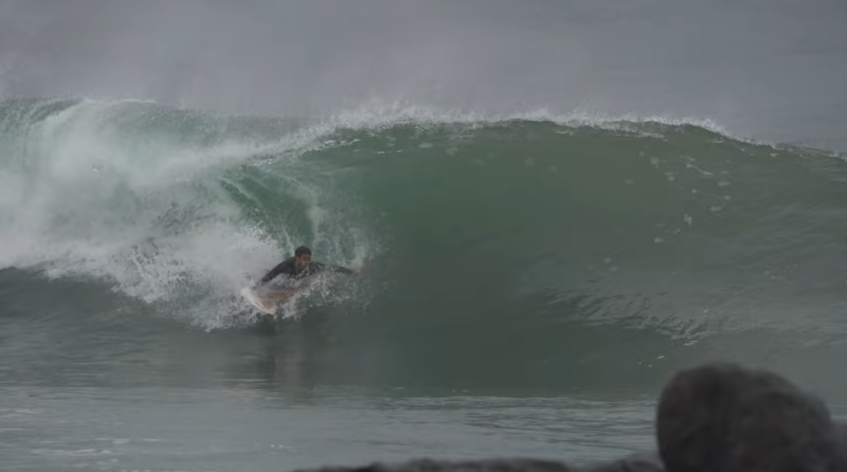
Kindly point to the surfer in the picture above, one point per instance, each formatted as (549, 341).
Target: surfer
(301, 266)
(296, 269)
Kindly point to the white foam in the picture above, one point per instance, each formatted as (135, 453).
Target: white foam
(82, 196)
(377, 115)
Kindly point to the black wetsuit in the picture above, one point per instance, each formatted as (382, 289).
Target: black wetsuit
(289, 268)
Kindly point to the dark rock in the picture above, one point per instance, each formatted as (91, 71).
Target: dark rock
(712, 418)
(725, 418)
(430, 465)
(641, 462)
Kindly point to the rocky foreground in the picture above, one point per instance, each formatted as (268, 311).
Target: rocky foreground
(712, 418)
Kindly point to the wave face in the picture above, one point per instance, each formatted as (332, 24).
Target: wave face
(520, 227)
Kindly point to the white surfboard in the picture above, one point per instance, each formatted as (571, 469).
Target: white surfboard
(262, 305)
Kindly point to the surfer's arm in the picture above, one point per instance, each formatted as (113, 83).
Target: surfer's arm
(279, 269)
(337, 269)
(341, 270)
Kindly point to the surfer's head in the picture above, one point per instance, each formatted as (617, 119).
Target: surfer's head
(302, 257)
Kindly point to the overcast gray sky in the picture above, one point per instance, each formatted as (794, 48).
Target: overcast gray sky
(770, 68)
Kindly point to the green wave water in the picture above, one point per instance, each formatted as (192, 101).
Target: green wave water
(511, 249)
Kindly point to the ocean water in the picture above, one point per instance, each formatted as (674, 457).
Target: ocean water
(545, 242)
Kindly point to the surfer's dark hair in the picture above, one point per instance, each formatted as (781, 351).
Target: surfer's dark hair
(302, 250)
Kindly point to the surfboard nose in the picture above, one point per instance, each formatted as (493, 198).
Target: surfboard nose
(263, 305)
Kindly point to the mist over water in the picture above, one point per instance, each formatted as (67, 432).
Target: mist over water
(771, 70)
(558, 204)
